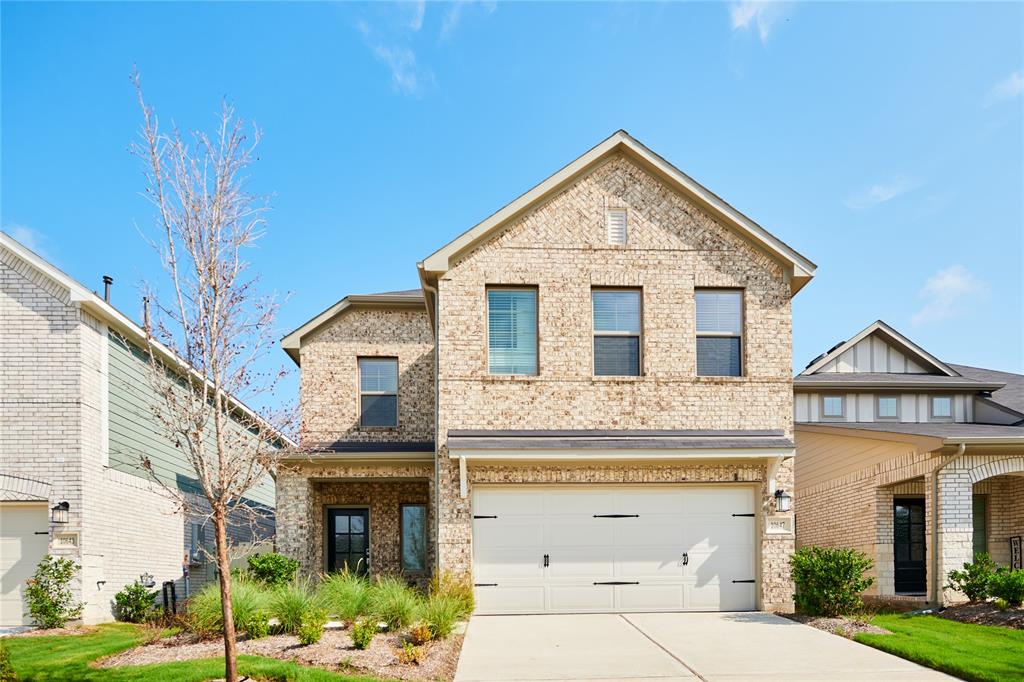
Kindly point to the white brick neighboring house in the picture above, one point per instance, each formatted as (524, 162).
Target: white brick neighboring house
(73, 426)
(915, 462)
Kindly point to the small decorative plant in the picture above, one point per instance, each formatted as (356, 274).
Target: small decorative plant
(829, 580)
(272, 569)
(257, 625)
(420, 634)
(363, 632)
(1008, 586)
(974, 579)
(49, 597)
(410, 654)
(133, 603)
(312, 628)
(7, 673)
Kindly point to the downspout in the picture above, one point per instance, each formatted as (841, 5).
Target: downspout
(936, 579)
(437, 420)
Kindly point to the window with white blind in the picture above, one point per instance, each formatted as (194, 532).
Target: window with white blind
(378, 392)
(615, 220)
(512, 331)
(616, 332)
(719, 332)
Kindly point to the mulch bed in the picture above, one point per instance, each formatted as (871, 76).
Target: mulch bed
(844, 627)
(54, 632)
(334, 651)
(985, 613)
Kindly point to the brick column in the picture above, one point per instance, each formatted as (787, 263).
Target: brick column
(955, 527)
(294, 519)
(885, 568)
(930, 538)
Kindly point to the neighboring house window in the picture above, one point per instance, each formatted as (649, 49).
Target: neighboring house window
(719, 332)
(888, 407)
(833, 407)
(512, 331)
(378, 392)
(616, 332)
(615, 220)
(414, 538)
(942, 407)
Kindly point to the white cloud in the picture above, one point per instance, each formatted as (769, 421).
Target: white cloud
(453, 16)
(749, 14)
(32, 239)
(881, 192)
(1008, 88)
(418, 9)
(406, 75)
(947, 293)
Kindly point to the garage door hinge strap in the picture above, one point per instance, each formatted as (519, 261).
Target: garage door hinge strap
(750, 515)
(485, 584)
(743, 581)
(616, 516)
(478, 516)
(42, 532)
(618, 582)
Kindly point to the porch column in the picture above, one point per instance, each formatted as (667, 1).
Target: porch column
(293, 519)
(885, 568)
(955, 529)
(930, 539)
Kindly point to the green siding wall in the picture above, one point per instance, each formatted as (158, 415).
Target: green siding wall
(134, 433)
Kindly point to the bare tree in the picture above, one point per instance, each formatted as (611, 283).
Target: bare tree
(215, 323)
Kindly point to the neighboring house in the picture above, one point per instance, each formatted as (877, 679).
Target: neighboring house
(75, 423)
(587, 405)
(914, 461)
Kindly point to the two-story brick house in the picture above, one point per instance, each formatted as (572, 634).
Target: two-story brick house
(587, 405)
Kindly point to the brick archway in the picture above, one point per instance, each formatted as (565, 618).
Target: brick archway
(1009, 465)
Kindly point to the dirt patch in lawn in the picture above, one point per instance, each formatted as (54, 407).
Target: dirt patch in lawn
(334, 651)
(985, 613)
(844, 627)
(56, 632)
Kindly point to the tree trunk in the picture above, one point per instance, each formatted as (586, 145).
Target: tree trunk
(224, 571)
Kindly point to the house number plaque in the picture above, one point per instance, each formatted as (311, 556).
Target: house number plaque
(779, 525)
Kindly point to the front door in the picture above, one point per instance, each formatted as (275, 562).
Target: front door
(908, 545)
(348, 540)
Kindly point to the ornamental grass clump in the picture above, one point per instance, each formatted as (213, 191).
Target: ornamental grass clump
(393, 602)
(345, 595)
(440, 613)
(290, 603)
(829, 580)
(459, 588)
(250, 603)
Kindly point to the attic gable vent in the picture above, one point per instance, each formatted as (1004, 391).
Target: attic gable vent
(615, 219)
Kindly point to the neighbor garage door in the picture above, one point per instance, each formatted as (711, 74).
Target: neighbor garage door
(607, 549)
(24, 537)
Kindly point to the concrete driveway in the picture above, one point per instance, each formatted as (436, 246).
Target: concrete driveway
(669, 646)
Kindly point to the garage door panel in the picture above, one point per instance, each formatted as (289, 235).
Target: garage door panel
(509, 503)
(578, 532)
(735, 564)
(648, 562)
(581, 598)
(648, 530)
(510, 599)
(703, 533)
(581, 503)
(508, 564)
(490, 533)
(651, 597)
(643, 502)
(717, 596)
(581, 562)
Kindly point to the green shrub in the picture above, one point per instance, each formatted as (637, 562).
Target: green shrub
(974, 580)
(7, 673)
(50, 601)
(249, 599)
(258, 625)
(312, 627)
(394, 602)
(410, 654)
(289, 603)
(440, 613)
(345, 595)
(829, 580)
(133, 603)
(420, 633)
(1008, 585)
(363, 632)
(272, 569)
(459, 588)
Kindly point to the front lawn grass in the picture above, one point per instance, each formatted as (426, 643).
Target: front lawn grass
(67, 657)
(971, 652)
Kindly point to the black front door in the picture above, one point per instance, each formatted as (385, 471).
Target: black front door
(348, 540)
(908, 545)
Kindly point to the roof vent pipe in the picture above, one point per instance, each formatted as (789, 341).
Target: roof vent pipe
(107, 281)
(145, 314)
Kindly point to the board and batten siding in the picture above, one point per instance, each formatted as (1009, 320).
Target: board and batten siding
(860, 407)
(872, 354)
(134, 432)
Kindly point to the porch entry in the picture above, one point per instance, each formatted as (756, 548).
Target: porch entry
(909, 546)
(348, 540)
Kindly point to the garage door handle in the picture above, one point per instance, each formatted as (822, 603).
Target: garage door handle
(744, 581)
(686, 558)
(547, 561)
(618, 582)
(616, 516)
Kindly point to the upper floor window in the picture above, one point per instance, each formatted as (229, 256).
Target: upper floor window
(833, 407)
(512, 331)
(942, 407)
(888, 407)
(616, 332)
(378, 392)
(719, 332)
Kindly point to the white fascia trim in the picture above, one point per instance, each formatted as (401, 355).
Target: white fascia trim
(986, 440)
(358, 457)
(619, 454)
(881, 326)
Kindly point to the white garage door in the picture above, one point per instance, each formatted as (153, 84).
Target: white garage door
(21, 548)
(608, 549)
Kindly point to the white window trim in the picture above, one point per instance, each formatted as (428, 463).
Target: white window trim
(361, 392)
(732, 335)
(832, 418)
(931, 409)
(878, 412)
(639, 335)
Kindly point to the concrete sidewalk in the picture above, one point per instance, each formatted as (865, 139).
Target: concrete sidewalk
(669, 646)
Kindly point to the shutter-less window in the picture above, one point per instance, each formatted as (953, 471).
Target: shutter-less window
(719, 332)
(414, 537)
(616, 332)
(512, 331)
(378, 392)
(616, 223)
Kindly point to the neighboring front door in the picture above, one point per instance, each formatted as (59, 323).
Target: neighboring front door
(348, 540)
(908, 545)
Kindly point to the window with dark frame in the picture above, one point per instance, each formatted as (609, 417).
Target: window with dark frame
(378, 392)
(512, 330)
(414, 538)
(616, 332)
(719, 332)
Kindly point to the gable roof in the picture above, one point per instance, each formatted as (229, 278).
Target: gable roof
(892, 337)
(799, 269)
(406, 298)
(1011, 395)
(95, 305)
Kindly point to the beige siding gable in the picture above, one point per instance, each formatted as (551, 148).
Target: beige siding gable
(823, 457)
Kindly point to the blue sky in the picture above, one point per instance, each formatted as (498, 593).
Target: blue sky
(883, 141)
